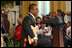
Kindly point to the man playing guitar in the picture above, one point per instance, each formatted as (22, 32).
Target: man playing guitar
(26, 31)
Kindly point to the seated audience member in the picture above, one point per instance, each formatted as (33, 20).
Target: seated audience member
(68, 33)
(38, 20)
(45, 18)
(61, 19)
(44, 35)
(50, 14)
(67, 17)
(52, 19)
(54, 14)
(18, 32)
(68, 29)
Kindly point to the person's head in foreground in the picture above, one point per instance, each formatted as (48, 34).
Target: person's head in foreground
(43, 24)
(33, 8)
(38, 20)
(19, 20)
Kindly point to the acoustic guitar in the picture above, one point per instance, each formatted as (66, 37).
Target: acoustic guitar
(35, 30)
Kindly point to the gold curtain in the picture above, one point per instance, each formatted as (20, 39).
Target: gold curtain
(55, 5)
(25, 5)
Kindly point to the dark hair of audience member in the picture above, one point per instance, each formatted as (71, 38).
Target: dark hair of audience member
(38, 18)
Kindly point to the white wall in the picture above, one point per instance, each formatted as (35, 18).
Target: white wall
(40, 6)
(44, 7)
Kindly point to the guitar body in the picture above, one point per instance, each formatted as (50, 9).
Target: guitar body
(35, 30)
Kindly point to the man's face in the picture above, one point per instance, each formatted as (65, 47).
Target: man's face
(38, 21)
(59, 14)
(35, 11)
(68, 13)
(51, 14)
(43, 26)
(68, 24)
(45, 18)
(54, 14)
(19, 20)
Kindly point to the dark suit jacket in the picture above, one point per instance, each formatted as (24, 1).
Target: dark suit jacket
(26, 27)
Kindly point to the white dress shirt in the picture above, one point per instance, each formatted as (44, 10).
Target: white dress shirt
(32, 16)
(34, 19)
(49, 29)
(67, 30)
(67, 19)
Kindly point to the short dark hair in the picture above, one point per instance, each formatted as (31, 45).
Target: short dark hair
(38, 18)
(44, 17)
(31, 6)
(50, 12)
(43, 22)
